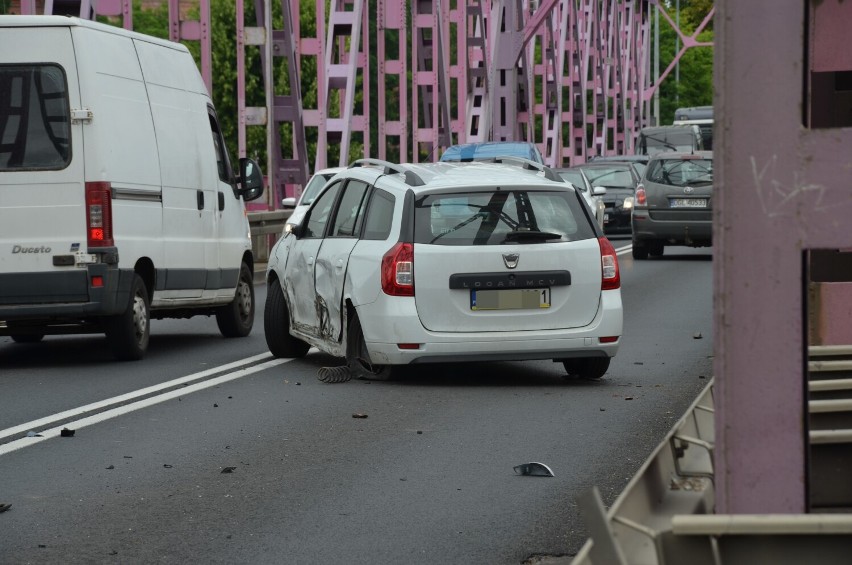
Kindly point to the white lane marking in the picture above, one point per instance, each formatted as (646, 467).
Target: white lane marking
(623, 250)
(35, 424)
(122, 410)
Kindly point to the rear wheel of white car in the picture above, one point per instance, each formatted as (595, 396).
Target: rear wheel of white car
(237, 318)
(358, 357)
(128, 333)
(586, 367)
(276, 325)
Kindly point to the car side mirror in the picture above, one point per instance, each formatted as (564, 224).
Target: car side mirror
(599, 190)
(288, 202)
(298, 230)
(251, 179)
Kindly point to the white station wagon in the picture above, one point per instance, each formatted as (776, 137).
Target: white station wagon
(430, 263)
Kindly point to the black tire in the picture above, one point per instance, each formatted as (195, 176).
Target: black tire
(237, 318)
(27, 338)
(586, 367)
(276, 325)
(128, 333)
(656, 249)
(640, 251)
(358, 357)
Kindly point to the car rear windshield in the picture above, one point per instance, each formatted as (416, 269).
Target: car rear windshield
(500, 217)
(680, 172)
(617, 176)
(35, 123)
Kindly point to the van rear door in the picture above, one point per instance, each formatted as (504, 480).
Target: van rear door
(42, 199)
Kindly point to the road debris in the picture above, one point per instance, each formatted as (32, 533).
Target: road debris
(111, 467)
(167, 466)
(4, 507)
(696, 335)
(65, 432)
(332, 375)
(534, 469)
(359, 415)
(33, 434)
(229, 469)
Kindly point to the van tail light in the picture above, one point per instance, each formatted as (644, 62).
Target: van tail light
(641, 198)
(610, 276)
(99, 214)
(398, 270)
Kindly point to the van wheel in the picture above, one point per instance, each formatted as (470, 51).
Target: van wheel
(276, 325)
(237, 318)
(128, 333)
(656, 249)
(28, 338)
(586, 367)
(358, 357)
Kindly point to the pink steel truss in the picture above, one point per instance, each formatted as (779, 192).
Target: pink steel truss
(573, 76)
(192, 30)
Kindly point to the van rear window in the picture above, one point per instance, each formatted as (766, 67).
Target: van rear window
(500, 217)
(35, 122)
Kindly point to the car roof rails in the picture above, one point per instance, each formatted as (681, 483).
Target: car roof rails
(411, 178)
(527, 164)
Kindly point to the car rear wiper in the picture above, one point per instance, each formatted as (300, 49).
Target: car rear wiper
(531, 234)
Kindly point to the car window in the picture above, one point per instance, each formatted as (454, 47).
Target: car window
(223, 163)
(35, 120)
(347, 220)
(314, 186)
(575, 178)
(320, 212)
(379, 216)
(494, 218)
(610, 177)
(680, 172)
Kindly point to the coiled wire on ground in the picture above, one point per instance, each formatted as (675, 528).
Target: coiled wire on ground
(333, 375)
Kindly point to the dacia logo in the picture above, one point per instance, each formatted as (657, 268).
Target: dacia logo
(21, 249)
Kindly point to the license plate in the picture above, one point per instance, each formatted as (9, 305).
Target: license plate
(687, 202)
(510, 299)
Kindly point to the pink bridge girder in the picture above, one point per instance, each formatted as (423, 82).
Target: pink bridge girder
(572, 76)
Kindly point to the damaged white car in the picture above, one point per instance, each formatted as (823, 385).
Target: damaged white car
(422, 263)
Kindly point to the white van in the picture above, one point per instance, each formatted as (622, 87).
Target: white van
(117, 199)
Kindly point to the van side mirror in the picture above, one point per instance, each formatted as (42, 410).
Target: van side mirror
(251, 179)
(599, 190)
(298, 230)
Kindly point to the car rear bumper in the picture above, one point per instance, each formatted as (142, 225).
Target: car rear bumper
(60, 297)
(391, 321)
(678, 232)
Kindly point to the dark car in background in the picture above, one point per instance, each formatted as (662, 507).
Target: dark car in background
(674, 203)
(639, 162)
(619, 180)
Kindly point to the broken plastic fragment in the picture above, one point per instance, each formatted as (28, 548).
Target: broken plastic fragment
(334, 374)
(359, 415)
(65, 432)
(228, 469)
(33, 434)
(534, 469)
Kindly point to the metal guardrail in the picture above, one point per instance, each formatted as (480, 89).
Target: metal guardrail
(266, 227)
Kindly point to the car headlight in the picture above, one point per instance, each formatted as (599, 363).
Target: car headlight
(628, 203)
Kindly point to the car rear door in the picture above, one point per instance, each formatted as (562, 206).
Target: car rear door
(333, 258)
(479, 267)
(42, 199)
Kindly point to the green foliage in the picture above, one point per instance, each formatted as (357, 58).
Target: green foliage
(695, 87)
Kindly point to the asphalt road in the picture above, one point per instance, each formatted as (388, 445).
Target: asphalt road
(182, 458)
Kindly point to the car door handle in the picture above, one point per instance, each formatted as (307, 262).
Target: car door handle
(310, 260)
(199, 196)
(221, 201)
(339, 264)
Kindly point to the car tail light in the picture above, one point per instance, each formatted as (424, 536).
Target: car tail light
(610, 277)
(398, 270)
(99, 214)
(641, 198)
